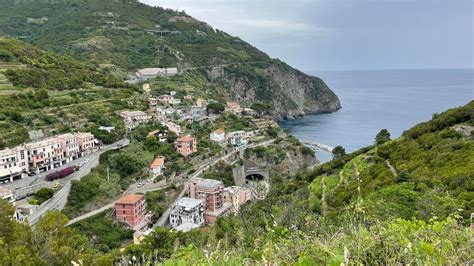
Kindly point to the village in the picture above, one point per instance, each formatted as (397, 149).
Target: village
(202, 201)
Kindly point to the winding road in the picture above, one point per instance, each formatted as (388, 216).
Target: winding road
(59, 200)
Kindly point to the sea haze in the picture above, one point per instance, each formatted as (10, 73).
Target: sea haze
(391, 99)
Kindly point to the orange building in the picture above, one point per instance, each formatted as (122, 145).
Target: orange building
(132, 210)
(186, 145)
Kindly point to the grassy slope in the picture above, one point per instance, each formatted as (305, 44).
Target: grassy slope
(121, 35)
(434, 173)
(55, 93)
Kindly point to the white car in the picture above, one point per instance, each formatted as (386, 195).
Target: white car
(86, 160)
(82, 163)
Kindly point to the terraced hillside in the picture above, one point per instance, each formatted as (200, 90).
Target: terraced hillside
(41, 90)
(122, 36)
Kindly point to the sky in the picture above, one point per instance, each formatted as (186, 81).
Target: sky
(346, 34)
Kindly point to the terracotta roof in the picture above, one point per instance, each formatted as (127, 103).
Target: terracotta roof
(186, 138)
(219, 131)
(130, 199)
(159, 161)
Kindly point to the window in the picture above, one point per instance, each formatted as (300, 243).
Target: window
(123, 211)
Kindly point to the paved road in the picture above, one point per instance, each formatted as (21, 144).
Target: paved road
(164, 217)
(133, 189)
(59, 200)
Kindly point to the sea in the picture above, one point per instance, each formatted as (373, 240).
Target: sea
(376, 99)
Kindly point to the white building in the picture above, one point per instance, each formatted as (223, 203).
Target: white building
(218, 135)
(108, 129)
(133, 118)
(187, 210)
(7, 195)
(174, 101)
(45, 155)
(173, 127)
(158, 165)
(13, 164)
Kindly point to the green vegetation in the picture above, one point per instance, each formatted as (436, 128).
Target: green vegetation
(104, 232)
(382, 137)
(338, 152)
(41, 196)
(355, 209)
(46, 70)
(125, 167)
(423, 174)
(121, 36)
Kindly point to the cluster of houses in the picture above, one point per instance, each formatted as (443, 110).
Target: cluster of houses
(43, 155)
(207, 199)
(235, 138)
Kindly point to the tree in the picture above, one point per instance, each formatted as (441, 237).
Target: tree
(6, 55)
(215, 108)
(44, 194)
(338, 152)
(382, 137)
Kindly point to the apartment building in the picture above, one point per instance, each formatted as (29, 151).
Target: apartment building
(187, 213)
(211, 191)
(86, 142)
(46, 154)
(13, 164)
(237, 196)
(43, 155)
(131, 209)
(186, 145)
(70, 146)
(133, 118)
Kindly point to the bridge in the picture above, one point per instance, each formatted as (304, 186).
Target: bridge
(314, 144)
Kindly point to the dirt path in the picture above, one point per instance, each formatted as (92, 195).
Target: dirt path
(390, 166)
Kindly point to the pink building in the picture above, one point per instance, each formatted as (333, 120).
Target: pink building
(69, 145)
(132, 210)
(237, 196)
(211, 191)
(86, 141)
(186, 145)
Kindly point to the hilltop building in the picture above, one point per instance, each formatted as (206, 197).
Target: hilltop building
(234, 107)
(186, 145)
(158, 165)
(173, 127)
(160, 135)
(218, 135)
(134, 118)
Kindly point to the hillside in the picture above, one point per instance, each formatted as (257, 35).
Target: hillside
(43, 90)
(122, 36)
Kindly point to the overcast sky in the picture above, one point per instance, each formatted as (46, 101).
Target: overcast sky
(346, 34)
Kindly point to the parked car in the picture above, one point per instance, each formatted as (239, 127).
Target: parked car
(57, 185)
(86, 160)
(81, 164)
(30, 194)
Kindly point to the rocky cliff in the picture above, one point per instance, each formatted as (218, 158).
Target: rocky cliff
(126, 35)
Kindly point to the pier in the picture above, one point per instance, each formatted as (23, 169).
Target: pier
(314, 144)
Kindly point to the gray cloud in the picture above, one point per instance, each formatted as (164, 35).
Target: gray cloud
(346, 34)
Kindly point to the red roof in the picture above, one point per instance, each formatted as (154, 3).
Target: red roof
(219, 131)
(158, 162)
(130, 199)
(186, 138)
